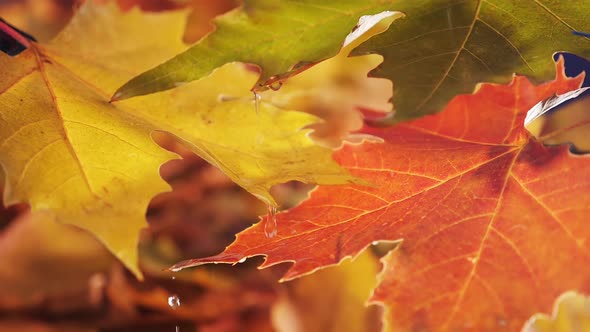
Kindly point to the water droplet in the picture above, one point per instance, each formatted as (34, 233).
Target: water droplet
(270, 225)
(242, 260)
(173, 278)
(257, 99)
(473, 260)
(116, 96)
(375, 243)
(275, 86)
(225, 98)
(174, 301)
(175, 269)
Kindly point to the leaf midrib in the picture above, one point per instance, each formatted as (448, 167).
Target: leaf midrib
(476, 18)
(389, 203)
(41, 68)
(455, 58)
(477, 258)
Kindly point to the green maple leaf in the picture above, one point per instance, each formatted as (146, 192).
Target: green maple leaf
(444, 48)
(282, 37)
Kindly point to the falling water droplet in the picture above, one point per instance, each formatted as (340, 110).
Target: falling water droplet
(275, 86)
(270, 225)
(174, 301)
(257, 99)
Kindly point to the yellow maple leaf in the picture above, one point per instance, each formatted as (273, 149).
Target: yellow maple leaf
(571, 313)
(92, 163)
(256, 146)
(66, 149)
(336, 88)
(334, 299)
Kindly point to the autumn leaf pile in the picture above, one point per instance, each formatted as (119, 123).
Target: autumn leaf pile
(442, 145)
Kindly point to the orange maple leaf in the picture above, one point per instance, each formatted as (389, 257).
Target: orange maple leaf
(494, 224)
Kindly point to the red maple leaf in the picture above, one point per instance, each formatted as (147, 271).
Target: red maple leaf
(494, 224)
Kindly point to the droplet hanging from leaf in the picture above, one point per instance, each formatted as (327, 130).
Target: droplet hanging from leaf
(270, 223)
